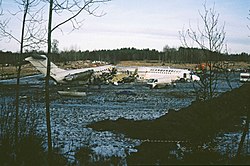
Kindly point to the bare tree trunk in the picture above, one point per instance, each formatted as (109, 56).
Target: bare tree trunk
(17, 107)
(210, 81)
(245, 131)
(75, 9)
(18, 76)
(47, 90)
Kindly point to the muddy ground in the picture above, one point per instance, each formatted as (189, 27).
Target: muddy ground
(197, 124)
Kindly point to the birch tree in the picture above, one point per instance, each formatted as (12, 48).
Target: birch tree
(210, 37)
(30, 37)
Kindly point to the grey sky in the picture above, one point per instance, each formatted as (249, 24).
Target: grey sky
(151, 24)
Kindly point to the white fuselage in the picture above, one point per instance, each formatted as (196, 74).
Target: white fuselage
(166, 73)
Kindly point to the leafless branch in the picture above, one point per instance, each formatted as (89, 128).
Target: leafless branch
(5, 32)
(249, 20)
(183, 38)
(34, 35)
(211, 38)
(75, 8)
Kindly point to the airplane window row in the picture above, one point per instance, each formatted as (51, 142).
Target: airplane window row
(162, 70)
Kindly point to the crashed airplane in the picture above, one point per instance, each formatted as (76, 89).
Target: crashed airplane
(154, 76)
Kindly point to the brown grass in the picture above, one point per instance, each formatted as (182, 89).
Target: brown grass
(11, 71)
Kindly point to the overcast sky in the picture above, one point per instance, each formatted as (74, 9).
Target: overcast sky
(147, 24)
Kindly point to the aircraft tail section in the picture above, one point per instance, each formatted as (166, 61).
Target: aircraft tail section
(40, 63)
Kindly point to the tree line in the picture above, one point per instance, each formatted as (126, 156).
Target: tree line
(168, 55)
